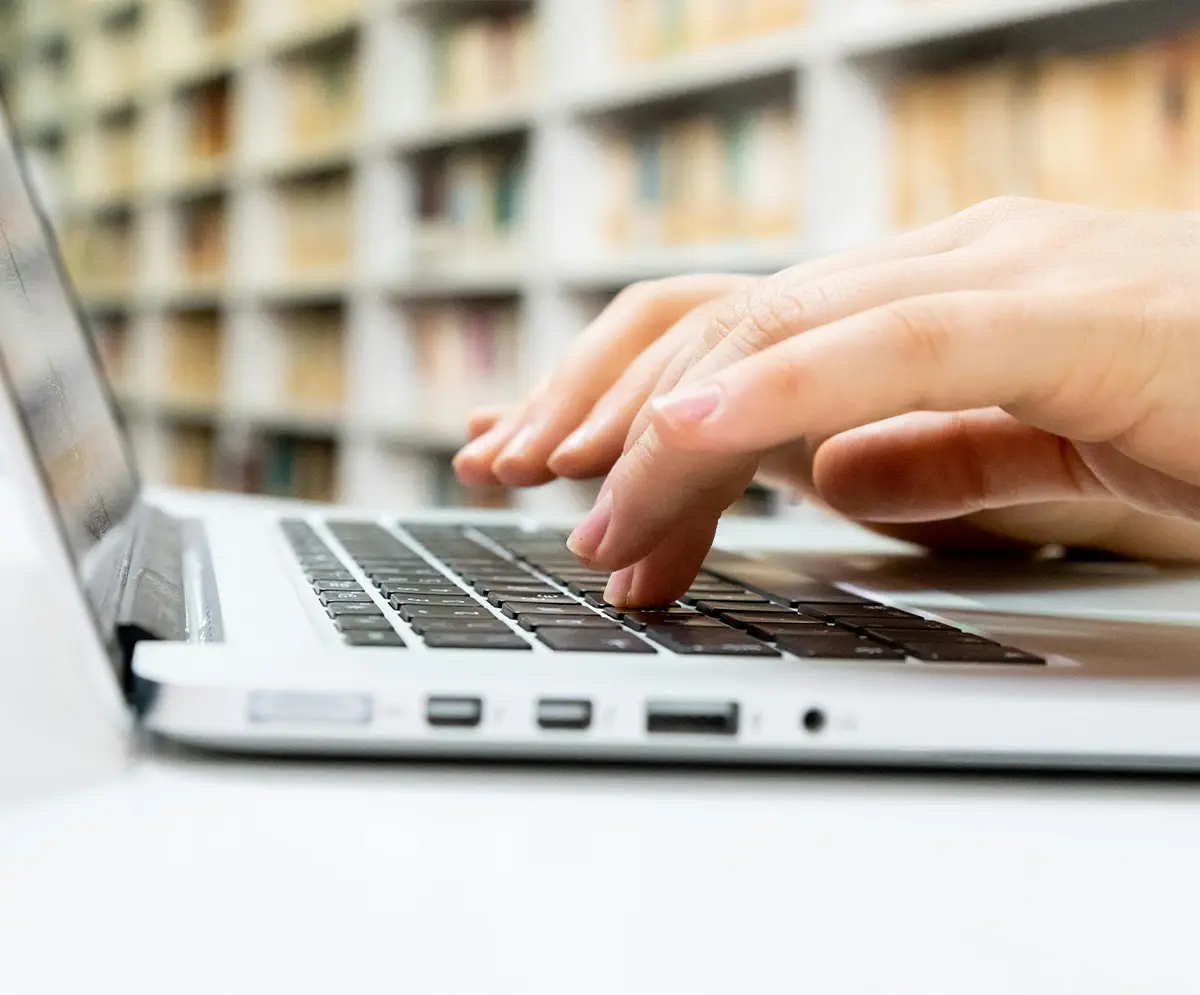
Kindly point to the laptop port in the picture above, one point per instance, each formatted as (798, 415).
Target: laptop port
(559, 713)
(813, 720)
(463, 713)
(695, 718)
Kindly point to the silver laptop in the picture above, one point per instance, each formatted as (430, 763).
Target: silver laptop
(327, 632)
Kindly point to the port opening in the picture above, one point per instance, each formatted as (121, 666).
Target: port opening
(694, 718)
(814, 720)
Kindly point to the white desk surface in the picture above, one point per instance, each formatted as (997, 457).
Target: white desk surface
(202, 875)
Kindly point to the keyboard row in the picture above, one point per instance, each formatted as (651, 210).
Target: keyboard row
(483, 589)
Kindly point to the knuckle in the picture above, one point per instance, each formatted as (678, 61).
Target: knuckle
(921, 333)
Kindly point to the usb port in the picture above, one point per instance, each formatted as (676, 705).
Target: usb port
(464, 713)
(696, 718)
(559, 713)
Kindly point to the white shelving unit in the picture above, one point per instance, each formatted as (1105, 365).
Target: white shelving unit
(835, 72)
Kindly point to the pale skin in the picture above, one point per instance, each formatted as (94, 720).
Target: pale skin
(1019, 375)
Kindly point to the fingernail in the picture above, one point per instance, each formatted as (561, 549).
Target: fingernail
(519, 446)
(586, 539)
(577, 440)
(690, 406)
(616, 593)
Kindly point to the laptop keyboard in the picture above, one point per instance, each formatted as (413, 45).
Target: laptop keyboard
(500, 589)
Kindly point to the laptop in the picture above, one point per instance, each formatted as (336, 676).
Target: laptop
(327, 632)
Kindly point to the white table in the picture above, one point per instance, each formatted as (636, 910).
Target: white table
(194, 874)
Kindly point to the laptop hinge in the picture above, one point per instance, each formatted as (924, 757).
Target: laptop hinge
(154, 602)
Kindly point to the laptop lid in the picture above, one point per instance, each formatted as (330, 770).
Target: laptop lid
(83, 469)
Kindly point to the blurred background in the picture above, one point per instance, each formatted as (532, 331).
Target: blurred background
(312, 234)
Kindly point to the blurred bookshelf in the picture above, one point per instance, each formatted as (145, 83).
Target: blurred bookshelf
(313, 233)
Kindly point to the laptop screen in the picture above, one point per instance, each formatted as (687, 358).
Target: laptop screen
(60, 394)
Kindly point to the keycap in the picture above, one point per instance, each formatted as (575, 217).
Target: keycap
(743, 620)
(491, 624)
(591, 641)
(372, 637)
(486, 585)
(545, 594)
(323, 575)
(720, 607)
(449, 639)
(708, 642)
(709, 594)
(551, 597)
(867, 611)
(410, 612)
(886, 622)
(967, 653)
(321, 586)
(443, 601)
(354, 608)
(622, 612)
(363, 623)
(902, 637)
(513, 609)
(336, 597)
(394, 590)
(640, 620)
(837, 647)
(535, 622)
(770, 631)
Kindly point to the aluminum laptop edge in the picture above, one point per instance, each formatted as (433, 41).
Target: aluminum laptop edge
(231, 628)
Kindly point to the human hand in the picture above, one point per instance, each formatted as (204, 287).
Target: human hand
(998, 364)
(575, 425)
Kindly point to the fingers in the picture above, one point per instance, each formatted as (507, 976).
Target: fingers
(483, 420)
(635, 319)
(475, 461)
(665, 573)
(1056, 363)
(928, 466)
(596, 445)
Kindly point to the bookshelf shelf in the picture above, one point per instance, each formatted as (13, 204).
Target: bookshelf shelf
(723, 67)
(350, 220)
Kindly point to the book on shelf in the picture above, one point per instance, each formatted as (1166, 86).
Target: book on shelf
(101, 254)
(1116, 129)
(318, 224)
(315, 376)
(465, 356)
(484, 61)
(120, 158)
(284, 466)
(654, 29)
(192, 357)
(471, 207)
(207, 113)
(192, 453)
(706, 178)
(203, 241)
(325, 96)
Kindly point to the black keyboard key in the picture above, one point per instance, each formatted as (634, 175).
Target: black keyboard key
(443, 601)
(322, 586)
(772, 631)
(913, 624)
(547, 594)
(743, 620)
(592, 641)
(424, 625)
(970, 653)
(837, 647)
(344, 597)
(866, 611)
(408, 613)
(451, 639)
(515, 608)
(485, 585)
(363, 623)
(373, 637)
(432, 591)
(902, 637)
(407, 576)
(622, 612)
(719, 607)
(323, 575)
(688, 641)
(640, 620)
(354, 608)
(695, 596)
(535, 622)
